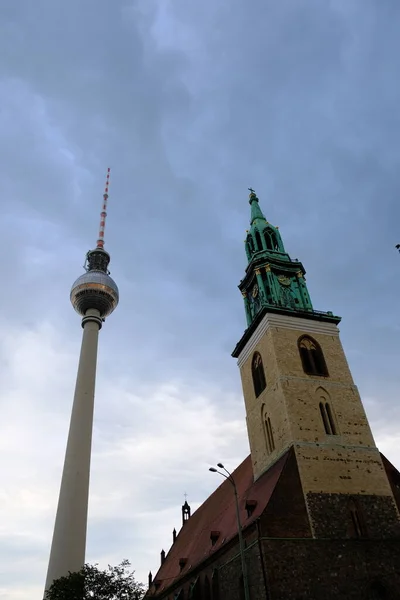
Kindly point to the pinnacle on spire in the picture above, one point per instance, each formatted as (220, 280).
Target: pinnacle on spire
(256, 212)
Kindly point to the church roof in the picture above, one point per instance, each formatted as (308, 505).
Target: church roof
(218, 515)
(394, 478)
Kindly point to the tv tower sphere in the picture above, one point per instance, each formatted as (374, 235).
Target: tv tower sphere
(95, 289)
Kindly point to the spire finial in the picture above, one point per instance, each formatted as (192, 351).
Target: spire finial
(103, 214)
(252, 196)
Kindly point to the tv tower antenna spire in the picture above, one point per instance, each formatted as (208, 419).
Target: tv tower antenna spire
(94, 295)
(103, 214)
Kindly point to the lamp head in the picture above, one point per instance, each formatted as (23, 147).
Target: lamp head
(213, 470)
(220, 465)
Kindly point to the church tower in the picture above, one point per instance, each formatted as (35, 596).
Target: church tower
(299, 394)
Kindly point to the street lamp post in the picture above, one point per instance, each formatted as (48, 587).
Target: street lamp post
(239, 526)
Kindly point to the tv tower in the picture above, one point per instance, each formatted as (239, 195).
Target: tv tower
(94, 295)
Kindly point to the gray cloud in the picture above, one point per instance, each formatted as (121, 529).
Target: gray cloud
(190, 104)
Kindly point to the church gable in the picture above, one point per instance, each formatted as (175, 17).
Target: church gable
(286, 514)
(394, 479)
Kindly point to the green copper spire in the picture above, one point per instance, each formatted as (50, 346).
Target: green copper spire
(273, 280)
(256, 212)
(262, 236)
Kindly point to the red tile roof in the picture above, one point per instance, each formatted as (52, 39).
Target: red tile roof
(218, 514)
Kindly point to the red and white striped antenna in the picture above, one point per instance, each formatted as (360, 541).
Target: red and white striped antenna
(103, 214)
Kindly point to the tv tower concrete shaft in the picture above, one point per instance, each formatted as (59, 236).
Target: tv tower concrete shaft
(94, 295)
(69, 537)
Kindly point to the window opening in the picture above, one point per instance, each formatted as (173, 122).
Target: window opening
(312, 358)
(250, 506)
(250, 244)
(325, 418)
(268, 240)
(330, 418)
(258, 374)
(269, 436)
(214, 535)
(357, 524)
(258, 241)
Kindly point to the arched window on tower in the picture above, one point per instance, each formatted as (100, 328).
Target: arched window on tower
(268, 433)
(257, 371)
(312, 358)
(250, 244)
(270, 240)
(327, 418)
(258, 241)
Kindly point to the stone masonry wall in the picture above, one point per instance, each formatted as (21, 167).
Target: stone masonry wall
(331, 569)
(344, 463)
(330, 515)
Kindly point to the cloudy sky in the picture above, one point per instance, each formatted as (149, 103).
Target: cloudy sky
(189, 103)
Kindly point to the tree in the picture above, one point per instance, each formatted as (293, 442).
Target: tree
(114, 583)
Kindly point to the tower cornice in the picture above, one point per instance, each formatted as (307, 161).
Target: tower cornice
(315, 315)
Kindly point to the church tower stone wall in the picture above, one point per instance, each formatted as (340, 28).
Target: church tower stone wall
(299, 391)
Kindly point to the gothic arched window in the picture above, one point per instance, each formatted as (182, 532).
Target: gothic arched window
(268, 240)
(269, 436)
(312, 358)
(248, 251)
(327, 418)
(250, 243)
(258, 241)
(257, 371)
(271, 240)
